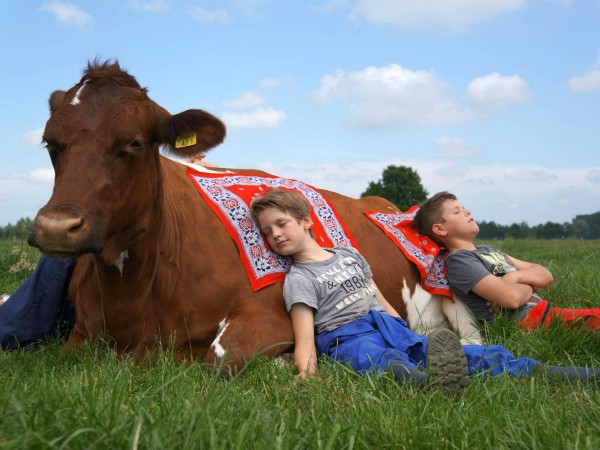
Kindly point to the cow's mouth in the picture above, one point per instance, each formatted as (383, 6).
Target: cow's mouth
(49, 249)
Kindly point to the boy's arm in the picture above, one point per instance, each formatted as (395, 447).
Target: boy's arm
(305, 352)
(390, 309)
(529, 273)
(503, 292)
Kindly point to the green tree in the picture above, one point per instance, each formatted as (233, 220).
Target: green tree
(518, 231)
(491, 230)
(588, 225)
(400, 185)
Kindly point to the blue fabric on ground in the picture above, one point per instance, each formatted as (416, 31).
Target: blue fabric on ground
(373, 341)
(495, 360)
(40, 308)
(377, 340)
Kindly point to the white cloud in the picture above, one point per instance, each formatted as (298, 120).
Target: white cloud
(33, 137)
(23, 194)
(503, 193)
(259, 118)
(40, 175)
(393, 96)
(247, 100)
(154, 6)
(276, 83)
(455, 147)
(67, 13)
(206, 16)
(589, 82)
(594, 176)
(496, 91)
(455, 15)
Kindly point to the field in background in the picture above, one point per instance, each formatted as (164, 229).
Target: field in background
(95, 399)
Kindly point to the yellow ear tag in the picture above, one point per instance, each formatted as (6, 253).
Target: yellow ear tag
(186, 140)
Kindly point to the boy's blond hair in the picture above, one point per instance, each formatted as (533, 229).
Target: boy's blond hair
(288, 202)
(431, 212)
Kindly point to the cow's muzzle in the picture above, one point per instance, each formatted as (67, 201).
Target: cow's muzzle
(64, 231)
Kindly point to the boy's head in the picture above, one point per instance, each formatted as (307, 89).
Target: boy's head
(288, 202)
(431, 212)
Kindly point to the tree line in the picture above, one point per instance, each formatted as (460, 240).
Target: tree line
(402, 186)
(586, 226)
(19, 230)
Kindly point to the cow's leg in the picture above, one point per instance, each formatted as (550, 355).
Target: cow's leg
(83, 289)
(257, 326)
(462, 321)
(424, 311)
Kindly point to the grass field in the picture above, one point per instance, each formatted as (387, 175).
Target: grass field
(96, 399)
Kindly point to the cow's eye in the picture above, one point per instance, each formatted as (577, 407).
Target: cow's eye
(137, 145)
(53, 150)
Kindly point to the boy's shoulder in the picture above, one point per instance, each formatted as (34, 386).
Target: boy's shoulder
(346, 251)
(479, 249)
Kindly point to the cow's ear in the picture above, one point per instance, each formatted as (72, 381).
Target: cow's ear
(191, 132)
(56, 98)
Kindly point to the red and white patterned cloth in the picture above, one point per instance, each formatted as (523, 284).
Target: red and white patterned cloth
(421, 250)
(229, 196)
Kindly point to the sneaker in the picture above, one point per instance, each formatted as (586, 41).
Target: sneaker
(4, 298)
(446, 363)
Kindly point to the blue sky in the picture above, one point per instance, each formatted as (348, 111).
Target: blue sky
(497, 101)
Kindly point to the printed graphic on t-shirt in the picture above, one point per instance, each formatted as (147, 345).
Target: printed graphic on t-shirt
(500, 265)
(347, 276)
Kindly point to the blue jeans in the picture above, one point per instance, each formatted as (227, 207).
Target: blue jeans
(378, 341)
(40, 308)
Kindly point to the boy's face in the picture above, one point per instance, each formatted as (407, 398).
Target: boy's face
(284, 233)
(458, 222)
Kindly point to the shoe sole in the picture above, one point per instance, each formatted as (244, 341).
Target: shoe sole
(446, 363)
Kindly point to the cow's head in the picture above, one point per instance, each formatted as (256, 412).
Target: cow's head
(103, 138)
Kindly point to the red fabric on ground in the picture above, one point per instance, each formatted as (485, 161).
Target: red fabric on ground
(590, 317)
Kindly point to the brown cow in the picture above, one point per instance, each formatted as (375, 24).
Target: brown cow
(156, 267)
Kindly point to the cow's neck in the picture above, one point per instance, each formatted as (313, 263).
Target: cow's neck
(129, 274)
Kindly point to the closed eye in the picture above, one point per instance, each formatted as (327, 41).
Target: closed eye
(54, 150)
(137, 145)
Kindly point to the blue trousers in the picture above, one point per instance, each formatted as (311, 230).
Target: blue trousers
(378, 341)
(40, 308)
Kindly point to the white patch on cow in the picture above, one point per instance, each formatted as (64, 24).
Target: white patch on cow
(284, 360)
(216, 344)
(423, 309)
(427, 312)
(120, 262)
(462, 321)
(76, 100)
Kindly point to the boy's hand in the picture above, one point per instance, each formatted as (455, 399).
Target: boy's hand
(306, 375)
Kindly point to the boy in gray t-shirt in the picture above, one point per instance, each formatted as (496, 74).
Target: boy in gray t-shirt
(337, 310)
(483, 275)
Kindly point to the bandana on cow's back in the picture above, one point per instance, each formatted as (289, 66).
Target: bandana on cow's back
(229, 196)
(421, 250)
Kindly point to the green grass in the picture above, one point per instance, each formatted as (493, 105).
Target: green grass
(96, 399)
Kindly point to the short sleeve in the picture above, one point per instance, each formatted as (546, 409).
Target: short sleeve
(298, 288)
(464, 270)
